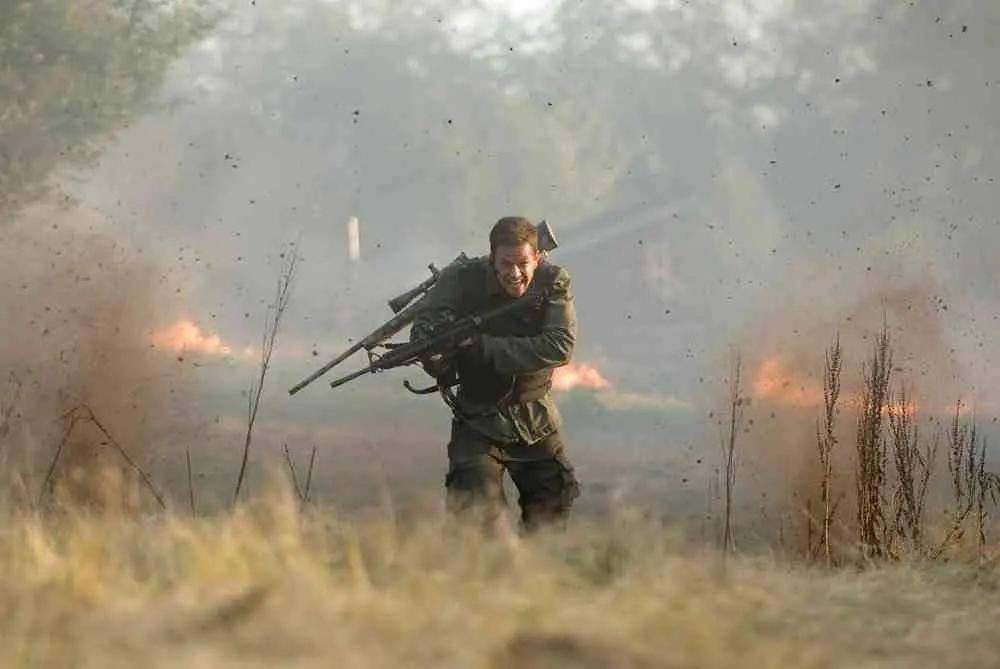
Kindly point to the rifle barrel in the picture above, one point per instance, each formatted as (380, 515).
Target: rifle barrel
(327, 367)
(353, 375)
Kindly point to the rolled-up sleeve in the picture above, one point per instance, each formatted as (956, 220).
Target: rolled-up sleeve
(552, 347)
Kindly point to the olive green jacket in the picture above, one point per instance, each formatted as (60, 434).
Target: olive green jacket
(536, 349)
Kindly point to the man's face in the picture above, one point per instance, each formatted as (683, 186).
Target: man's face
(515, 267)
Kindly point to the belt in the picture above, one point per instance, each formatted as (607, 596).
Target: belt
(521, 395)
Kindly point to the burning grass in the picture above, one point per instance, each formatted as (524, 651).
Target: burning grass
(273, 583)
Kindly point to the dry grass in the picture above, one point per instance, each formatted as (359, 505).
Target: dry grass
(275, 584)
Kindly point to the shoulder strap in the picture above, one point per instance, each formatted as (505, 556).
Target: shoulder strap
(546, 274)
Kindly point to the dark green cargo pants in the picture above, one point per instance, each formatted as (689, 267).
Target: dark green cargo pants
(544, 478)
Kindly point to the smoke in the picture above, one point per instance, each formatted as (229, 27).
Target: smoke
(78, 312)
(783, 351)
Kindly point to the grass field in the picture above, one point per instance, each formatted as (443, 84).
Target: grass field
(273, 585)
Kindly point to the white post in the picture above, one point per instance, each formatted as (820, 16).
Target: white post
(353, 239)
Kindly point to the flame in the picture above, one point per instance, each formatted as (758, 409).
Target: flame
(775, 383)
(578, 375)
(186, 336)
(897, 409)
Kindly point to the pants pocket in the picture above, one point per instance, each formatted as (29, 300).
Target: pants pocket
(570, 485)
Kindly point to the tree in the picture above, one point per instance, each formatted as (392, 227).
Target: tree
(72, 71)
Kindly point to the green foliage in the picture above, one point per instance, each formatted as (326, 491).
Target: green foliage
(71, 71)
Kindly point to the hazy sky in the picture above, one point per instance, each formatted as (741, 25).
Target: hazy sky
(702, 178)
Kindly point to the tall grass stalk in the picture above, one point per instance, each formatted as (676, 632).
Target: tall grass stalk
(826, 441)
(729, 462)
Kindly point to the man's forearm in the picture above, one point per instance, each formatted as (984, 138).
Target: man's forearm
(525, 355)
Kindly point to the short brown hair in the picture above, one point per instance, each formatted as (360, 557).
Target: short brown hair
(513, 231)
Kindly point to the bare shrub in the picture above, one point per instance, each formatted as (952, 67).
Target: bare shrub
(293, 473)
(81, 415)
(988, 485)
(8, 403)
(309, 475)
(190, 482)
(972, 485)
(272, 321)
(826, 441)
(874, 534)
(913, 468)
